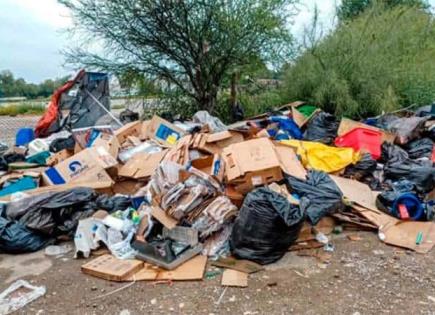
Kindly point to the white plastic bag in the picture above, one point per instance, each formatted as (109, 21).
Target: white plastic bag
(19, 294)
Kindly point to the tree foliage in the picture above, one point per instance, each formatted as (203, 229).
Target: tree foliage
(192, 44)
(380, 61)
(350, 9)
(11, 86)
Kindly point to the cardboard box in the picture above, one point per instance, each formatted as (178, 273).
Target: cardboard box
(212, 165)
(144, 130)
(163, 131)
(109, 142)
(131, 129)
(141, 165)
(252, 163)
(110, 268)
(58, 157)
(87, 165)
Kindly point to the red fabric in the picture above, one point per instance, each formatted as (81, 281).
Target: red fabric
(50, 115)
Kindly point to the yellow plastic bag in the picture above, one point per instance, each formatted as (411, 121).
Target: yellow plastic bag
(318, 156)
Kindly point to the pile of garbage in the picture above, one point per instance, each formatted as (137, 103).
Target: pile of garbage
(157, 199)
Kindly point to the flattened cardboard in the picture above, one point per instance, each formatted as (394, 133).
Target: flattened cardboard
(163, 218)
(111, 268)
(144, 130)
(234, 278)
(347, 125)
(192, 269)
(89, 161)
(356, 191)
(109, 142)
(164, 132)
(404, 234)
(141, 165)
(131, 129)
(216, 142)
(241, 265)
(289, 161)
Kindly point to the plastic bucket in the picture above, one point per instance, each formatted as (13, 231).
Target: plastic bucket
(362, 139)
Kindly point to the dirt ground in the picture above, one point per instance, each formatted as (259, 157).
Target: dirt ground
(362, 277)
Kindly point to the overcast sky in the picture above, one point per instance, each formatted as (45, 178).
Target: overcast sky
(32, 35)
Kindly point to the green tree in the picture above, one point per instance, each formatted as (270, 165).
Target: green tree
(377, 62)
(192, 44)
(350, 9)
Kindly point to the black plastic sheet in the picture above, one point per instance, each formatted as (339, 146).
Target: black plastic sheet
(319, 195)
(421, 148)
(266, 226)
(322, 128)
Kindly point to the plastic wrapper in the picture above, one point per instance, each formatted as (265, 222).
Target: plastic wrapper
(322, 128)
(19, 294)
(145, 147)
(214, 123)
(266, 226)
(421, 148)
(319, 195)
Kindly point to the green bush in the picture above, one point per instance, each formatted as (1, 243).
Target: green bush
(381, 61)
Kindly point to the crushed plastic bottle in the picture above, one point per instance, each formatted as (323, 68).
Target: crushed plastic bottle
(58, 250)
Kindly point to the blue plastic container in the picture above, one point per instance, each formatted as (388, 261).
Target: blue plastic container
(24, 136)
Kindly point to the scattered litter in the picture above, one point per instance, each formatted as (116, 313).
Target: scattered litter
(19, 294)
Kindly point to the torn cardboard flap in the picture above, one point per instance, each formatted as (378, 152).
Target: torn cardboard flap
(289, 161)
(131, 129)
(241, 265)
(141, 165)
(356, 191)
(163, 217)
(163, 131)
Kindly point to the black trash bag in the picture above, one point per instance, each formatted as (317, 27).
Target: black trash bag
(420, 173)
(15, 238)
(407, 128)
(112, 204)
(421, 148)
(363, 168)
(319, 195)
(62, 143)
(54, 213)
(8, 158)
(322, 128)
(128, 116)
(391, 153)
(266, 226)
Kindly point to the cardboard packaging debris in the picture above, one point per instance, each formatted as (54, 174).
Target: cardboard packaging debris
(58, 157)
(109, 142)
(241, 265)
(87, 165)
(141, 165)
(164, 132)
(258, 162)
(192, 269)
(131, 129)
(234, 278)
(110, 268)
(212, 165)
(216, 142)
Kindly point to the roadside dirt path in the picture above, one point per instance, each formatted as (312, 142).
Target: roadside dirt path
(363, 277)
